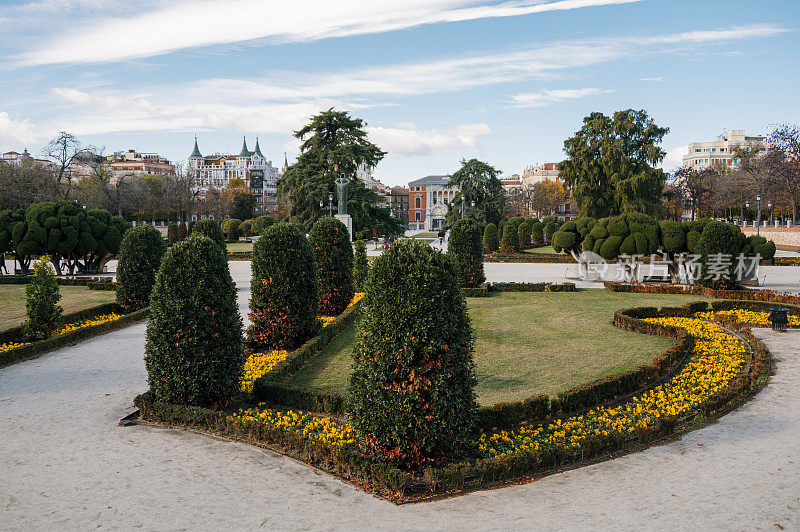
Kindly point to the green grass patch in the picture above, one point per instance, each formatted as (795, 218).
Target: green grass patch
(548, 250)
(239, 246)
(73, 299)
(529, 343)
(427, 234)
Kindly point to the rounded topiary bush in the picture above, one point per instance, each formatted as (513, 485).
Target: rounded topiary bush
(465, 247)
(140, 256)
(182, 232)
(718, 241)
(284, 290)
(524, 234)
(537, 233)
(411, 394)
(360, 265)
(194, 353)
(230, 228)
(211, 229)
(172, 233)
(549, 230)
(491, 240)
(510, 239)
(261, 224)
(42, 296)
(333, 255)
(246, 228)
(673, 236)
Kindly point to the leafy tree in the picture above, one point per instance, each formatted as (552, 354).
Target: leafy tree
(194, 352)
(246, 228)
(44, 313)
(140, 257)
(284, 290)
(244, 205)
(477, 183)
(333, 255)
(211, 229)
(610, 164)
(466, 248)
(491, 240)
(411, 389)
(546, 196)
(360, 265)
(334, 144)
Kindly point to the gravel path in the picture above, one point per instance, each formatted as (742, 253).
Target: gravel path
(64, 463)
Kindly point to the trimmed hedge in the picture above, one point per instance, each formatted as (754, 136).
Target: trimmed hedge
(532, 287)
(526, 258)
(194, 351)
(360, 265)
(284, 290)
(467, 250)
(411, 393)
(333, 257)
(741, 295)
(42, 297)
(140, 256)
(491, 238)
(230, 228)
(211, 229)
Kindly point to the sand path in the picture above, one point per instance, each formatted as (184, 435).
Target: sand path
(64, 463)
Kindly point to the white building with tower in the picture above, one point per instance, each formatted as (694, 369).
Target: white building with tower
(216, 170)
(721, 151)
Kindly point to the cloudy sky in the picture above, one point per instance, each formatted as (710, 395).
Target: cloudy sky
(506, 82)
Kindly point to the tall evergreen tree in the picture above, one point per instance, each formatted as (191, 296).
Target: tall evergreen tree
(610, 165)
(477, 183)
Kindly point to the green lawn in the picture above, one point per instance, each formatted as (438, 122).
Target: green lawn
(541, 249)
(240, 246)
(430, 235)
(529, 343)
(73, 299)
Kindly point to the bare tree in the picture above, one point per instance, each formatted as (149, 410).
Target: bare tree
(697, 187)
(62, 151)
(784, 164)
(755, 176)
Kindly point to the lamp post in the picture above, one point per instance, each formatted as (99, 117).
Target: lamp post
(758, 209)
(330, 204)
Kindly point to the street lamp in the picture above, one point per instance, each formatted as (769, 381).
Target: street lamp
(758, 208)
(330, 204)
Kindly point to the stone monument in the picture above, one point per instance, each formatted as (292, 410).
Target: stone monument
(341, 211)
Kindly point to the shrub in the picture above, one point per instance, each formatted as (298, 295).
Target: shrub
(194, 353)
(549, 230)
(673, 237)
(333, 255)
(246, 228)
(570, 237)
(360, 265)
(261, 224)
(491, 240)
(140, 256)
(524, 234)
(758, 245)
(284, 290)
(630, 233)
(411, 389)
(718, 238)
(44, 312)
(211, 229)
(182, 232)
(537, 233)
(230, 229)
(501, 227)
(465, 247)
(172, 233)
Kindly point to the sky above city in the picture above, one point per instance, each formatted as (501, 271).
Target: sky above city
(505, 82)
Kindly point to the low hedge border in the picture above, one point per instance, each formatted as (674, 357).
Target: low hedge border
(532, 287)
(400, 486)
(41, 347)
(240, 255)
(741, 295)
(62, 281)
(534, 258)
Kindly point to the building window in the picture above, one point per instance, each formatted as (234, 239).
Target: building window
(417, 203)
(416, 217)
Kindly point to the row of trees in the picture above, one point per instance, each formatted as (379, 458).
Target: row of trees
(773, 174)
(79, 172)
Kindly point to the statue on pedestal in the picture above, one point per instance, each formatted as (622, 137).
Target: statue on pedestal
(341, 192)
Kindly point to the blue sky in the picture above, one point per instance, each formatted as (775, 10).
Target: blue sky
(506, 82)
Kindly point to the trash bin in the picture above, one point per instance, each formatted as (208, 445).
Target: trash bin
(779, 317)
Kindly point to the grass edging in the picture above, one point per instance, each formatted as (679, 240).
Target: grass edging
(37, 349)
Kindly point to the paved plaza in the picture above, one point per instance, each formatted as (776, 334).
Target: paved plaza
(66, 464)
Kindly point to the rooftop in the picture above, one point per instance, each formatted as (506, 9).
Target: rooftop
(432, 180)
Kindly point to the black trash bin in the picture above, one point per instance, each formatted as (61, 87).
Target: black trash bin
(779, 317)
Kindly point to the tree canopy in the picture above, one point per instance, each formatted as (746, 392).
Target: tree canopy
(334, 144)
(477, 182)
(610, 165)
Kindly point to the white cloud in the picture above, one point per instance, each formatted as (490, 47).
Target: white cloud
(674, 158)
(15, 132)
(655, 79)
(408, 140)
(546, 97)
(180, 25)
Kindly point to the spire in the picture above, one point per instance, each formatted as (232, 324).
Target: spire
(245, 151)
(196, 151)
(285, 162)
(257, 151)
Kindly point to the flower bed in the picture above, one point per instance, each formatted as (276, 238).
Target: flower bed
(547, 258)
(720, 370)
(748, 317)
(744, 295)
(79, 326)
